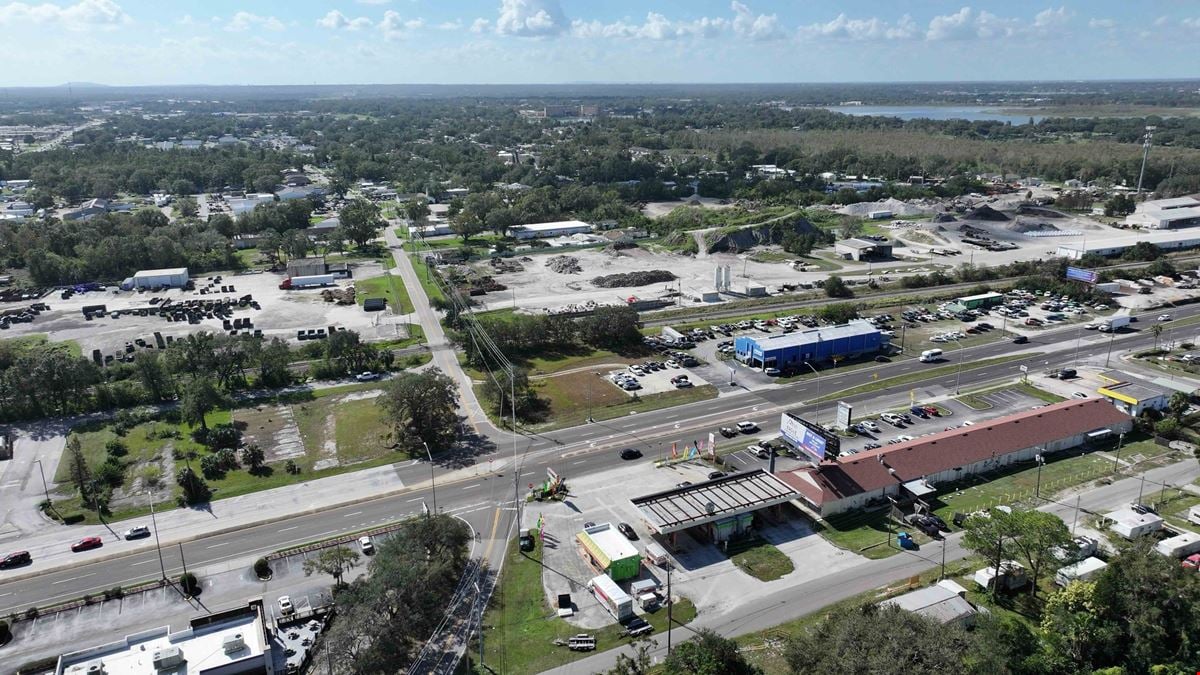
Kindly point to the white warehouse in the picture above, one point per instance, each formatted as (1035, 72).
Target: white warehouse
(1162, 214)
(556, 229)
(175, 277)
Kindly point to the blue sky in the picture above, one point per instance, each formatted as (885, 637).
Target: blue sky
(134, 42)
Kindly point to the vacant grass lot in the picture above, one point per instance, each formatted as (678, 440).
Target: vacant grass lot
(521, 625)
(388, 286)
(572, 397)
(26, 342)
(432, 290)
(760, 559)
(923, 375)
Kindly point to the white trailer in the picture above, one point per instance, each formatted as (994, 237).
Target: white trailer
(1180, 546)
(1081, 571)
(611, 596)
(311, 281)
(1194, 515)
(879, 215)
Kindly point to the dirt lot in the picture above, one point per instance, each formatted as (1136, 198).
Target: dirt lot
(282, 313)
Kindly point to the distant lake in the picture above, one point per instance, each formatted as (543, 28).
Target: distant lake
(947, 112)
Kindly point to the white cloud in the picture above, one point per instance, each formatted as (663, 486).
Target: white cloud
(335, 20)
(1192, 23)
(530, 18)
(456, 24)
(754, 26)
(1051, 18)
(480, 25)
(1102, 23)
(373, 2)
(244, 21)
(966, 24)
(656, 27)
(874, 29)
(79, 16)
(395, 27)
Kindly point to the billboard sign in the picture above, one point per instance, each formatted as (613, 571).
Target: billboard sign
(808, 437)
(1080, 274)
(844, 412)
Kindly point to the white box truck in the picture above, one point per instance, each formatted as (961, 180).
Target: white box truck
(611, 596)
(1114, 323)
(931, 355)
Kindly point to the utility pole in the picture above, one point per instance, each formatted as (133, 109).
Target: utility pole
(817, 412)
(157, 543)
(432, 477)
(1075, 519)
(1041, 461)
(670, 604)
(1117, 457)
(1111, 336)
(1147, 140)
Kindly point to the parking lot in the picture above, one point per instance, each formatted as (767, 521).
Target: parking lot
(952, 413)
(654, 377)
(280, 313)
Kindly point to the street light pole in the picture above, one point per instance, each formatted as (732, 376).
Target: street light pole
(958, 373)
(817, 412)
(1078, 336)
(1041, 461)
(432, 478)
(157, 543)
(1117, 457)
(1111, 337)
(45, 487)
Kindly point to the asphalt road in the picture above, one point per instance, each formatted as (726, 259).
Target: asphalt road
(574, 451)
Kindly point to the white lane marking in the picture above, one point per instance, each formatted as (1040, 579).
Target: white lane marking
(4, 594)
(144, 562)
(356, 513)
(290, 528)
(578, 462)
(471, 487)
(414, 499)
(63, 581)
(224, 543)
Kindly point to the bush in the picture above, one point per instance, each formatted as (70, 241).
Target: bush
(5, 633)
(189, 583)
(111, 472)
(223, 436)
(262, 568)
(116, 448)
(31, 613)
(210, 466)
(291, 467)
(72, 518)
(114, 593)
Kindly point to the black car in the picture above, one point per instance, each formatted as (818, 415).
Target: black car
(936, 520)
(627, 530)
(929, 529)
(729, 432)
(882, 359)
(637, 626)
(716, 474)
(15, 560)
(1020, 340)
(631, 453)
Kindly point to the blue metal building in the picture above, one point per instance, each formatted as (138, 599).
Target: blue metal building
(816, 345)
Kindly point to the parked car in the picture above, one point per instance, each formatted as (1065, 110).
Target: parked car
(627, 530)
(870, 426)
(285, 605)
(758, 451)
(366, 545)
(87, 544)
(137, 532)
(15, 559)
(771, 372)
(631, 453)
(713, 475)
(1078, 394)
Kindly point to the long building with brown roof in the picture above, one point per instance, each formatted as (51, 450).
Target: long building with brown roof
(916, 467)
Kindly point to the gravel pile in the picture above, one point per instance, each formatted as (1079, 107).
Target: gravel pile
(633, 279)
(564, 264)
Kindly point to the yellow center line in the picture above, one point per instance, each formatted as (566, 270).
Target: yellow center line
(492, 537)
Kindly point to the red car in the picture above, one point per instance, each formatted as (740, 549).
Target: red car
(87, 544)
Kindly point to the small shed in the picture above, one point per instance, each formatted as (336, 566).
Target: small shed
(374, 304)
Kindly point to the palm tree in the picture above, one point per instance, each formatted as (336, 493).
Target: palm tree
(1157, 329)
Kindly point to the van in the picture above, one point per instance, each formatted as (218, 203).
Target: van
(931, 355)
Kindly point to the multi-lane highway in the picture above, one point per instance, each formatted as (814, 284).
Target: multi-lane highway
(581, 450)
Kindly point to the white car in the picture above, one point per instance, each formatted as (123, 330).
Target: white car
(1164, 317)
(870, 426)
(285, 605)
(758, 451)
(1078, 394)
(367, 376)
(747, 427)
(367, 546)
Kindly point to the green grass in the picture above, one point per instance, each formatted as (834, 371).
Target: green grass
(144, 441)
(574, 396)
(924, 375)
(976, 401)
(248, 258)
(20, 345)
(361, 431)
(861, 532)
(425, 276)
(1020, 484)
(388, 286)
(521, 625)
(416, 336)
(760, 559)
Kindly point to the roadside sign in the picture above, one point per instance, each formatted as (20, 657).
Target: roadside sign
(1024, 369)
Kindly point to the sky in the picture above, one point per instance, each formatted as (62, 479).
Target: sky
(160, 42)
